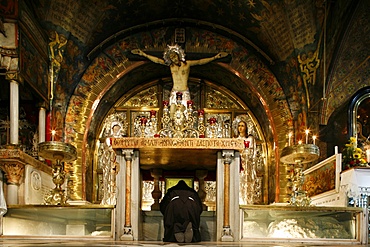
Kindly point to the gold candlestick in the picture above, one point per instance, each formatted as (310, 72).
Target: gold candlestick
(299, 155)
(57, 152)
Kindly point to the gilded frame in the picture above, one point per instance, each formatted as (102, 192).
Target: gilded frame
(323, 179)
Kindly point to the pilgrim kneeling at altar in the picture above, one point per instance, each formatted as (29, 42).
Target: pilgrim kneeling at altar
(181, 208)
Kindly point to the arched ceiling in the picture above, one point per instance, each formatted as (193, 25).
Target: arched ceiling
(286, 37)
(279, 32)
(274, 27)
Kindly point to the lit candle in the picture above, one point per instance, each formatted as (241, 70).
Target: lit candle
(300, 142)
(289, 136)
(52, 135)
(307, 131)
(314, 139)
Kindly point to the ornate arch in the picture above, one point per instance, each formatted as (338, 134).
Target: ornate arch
(113, 64)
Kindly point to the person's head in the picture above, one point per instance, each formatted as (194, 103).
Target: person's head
(174, 55)
(242, 129)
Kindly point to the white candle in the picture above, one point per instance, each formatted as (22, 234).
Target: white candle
(300, 142)
(52, 135)
(307, 131)
(368, 155)
(314, 139)
(289, 136)
(336, 149)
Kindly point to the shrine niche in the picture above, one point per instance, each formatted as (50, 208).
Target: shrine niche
(207, 120)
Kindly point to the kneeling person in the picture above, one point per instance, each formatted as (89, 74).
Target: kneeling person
(181, 208)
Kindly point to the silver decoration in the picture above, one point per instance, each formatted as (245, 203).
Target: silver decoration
(107, 161)
(252, 163)
(173, 49)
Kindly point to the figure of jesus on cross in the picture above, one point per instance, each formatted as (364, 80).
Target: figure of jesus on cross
(174, 57)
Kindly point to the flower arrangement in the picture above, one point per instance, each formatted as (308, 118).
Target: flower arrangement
(352, 155)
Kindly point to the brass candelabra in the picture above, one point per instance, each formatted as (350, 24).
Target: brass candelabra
(57, 152)
(298, 155)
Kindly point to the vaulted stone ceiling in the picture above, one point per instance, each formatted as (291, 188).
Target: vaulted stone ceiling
(279, 32)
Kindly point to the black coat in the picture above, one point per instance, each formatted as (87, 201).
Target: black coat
(181, 205)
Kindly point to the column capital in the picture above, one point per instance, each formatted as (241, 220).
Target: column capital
(14, 171)
(127, 154)
(14, 76)
(228, 156)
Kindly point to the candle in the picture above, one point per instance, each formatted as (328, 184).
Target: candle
(314, 139)
(368, 155)
(52, 135)
(307, 131)
(300, 142)
(289, 136)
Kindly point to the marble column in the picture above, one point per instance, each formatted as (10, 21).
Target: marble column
(227, 235)
(157, 193)
(14, 112)
(127, 230)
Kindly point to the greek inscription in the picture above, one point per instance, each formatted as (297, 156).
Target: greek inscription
(134, 142)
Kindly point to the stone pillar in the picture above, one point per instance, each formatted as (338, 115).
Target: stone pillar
(201, 174)
(127, 230)
(157, 193)
(14, 172)
(14, 112)
(227, 233)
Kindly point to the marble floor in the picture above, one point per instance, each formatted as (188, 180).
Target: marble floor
(94, 243)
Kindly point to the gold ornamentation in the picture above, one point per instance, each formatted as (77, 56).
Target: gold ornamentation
(299, 155)
(182, 143)
(14, 172)
(59, 152)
